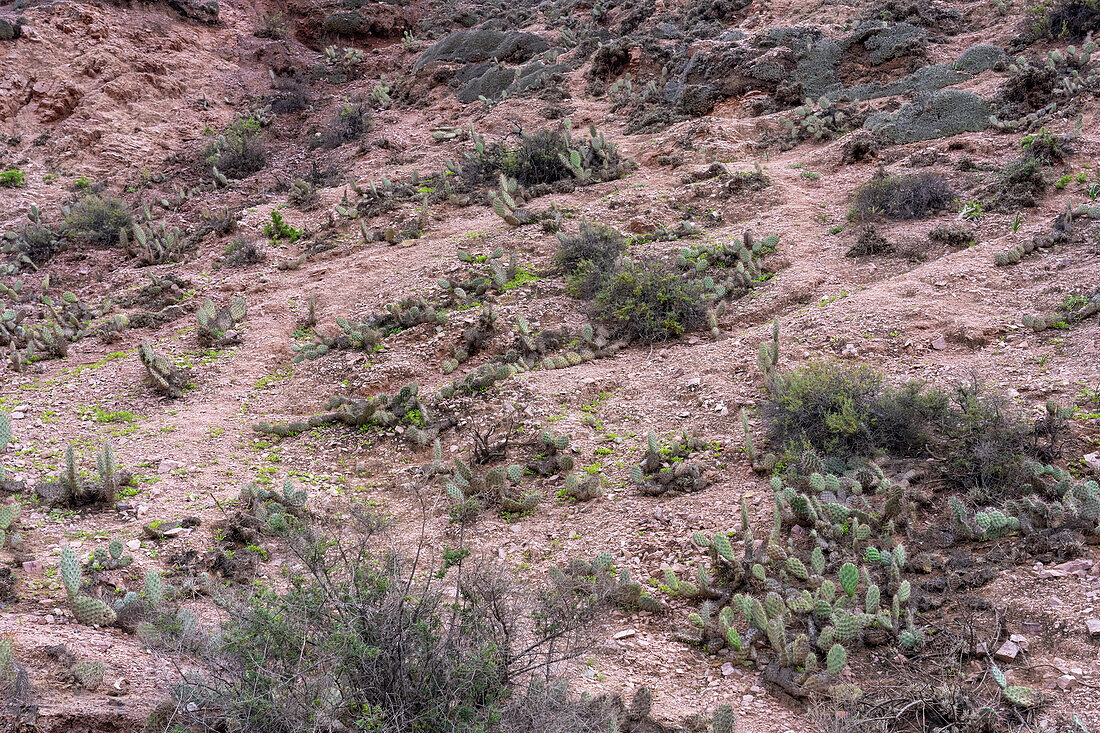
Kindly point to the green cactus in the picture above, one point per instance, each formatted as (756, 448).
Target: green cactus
(836, 660)
(7, 661)
(154, 589)
(70, 571)
(92, 611)
(849, 578)
(725, 720)
(89, 675)
(1022, 697)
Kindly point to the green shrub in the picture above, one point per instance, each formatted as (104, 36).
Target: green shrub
(985, 443)
(238, 152)
(98, 219)
(847, 410)
(12, 178)
(1070, 20)
(588, 257)
(243, 251)
(360, 639)
(902, 197)
(350, 123)
(650, 302)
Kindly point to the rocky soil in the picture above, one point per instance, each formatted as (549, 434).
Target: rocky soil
(124, 99)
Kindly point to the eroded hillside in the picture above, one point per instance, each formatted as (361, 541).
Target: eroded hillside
(738, 360)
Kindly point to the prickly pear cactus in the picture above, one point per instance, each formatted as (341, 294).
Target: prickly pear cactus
(92, 611)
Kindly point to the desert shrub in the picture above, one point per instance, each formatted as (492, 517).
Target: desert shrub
(1044, 147)
(38, 242)
(350, 123)
(238, 152)
(902, 197)
(362, 639)
(985, 443)
(847, 410)
(869, 242)
(1068, 20)
(650, 302)
(291, 94)
(97, 219)
(243, 251)
(1022, 183)
(273, 25)
(588, 257)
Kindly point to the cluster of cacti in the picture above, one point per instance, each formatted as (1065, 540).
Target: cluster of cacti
(369, 332)
(581, 486)
(500, 486)
(485, 274)
(1056, 498)
(592, 344)
(403, 409)
(1072, 66)
(406, 313)
(774, 605)
(111, 557)
(342, 62)
(599, 578)
(817, 119)
(446, 132)
(742, 255)
(154, 243)
(167, 379)
(591, 160)
(160, 292)
(1075, 311)
(60, 325)
(36, 242)
(88, 675)
(473, 339)
(86, 610)
(1014, 255)
(277, 511)
(552, 455)
(218, 326)
(478, 381)
(508, 201)
(852, 505)
(72, 489)
(666, 468)
(380, 95)
(767, 357)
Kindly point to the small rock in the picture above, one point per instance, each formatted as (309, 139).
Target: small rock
(626, 634)
(1007, 652)
(727, 669)
(133, 544)
(1093, 625)
(1066, 682)
(1092, 460)
(939, 343)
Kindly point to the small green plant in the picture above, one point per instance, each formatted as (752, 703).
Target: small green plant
(972, 211)
(1017, 221)
(12, 178)
(277, 229)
